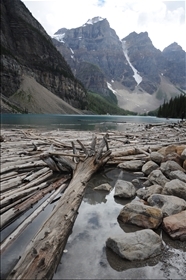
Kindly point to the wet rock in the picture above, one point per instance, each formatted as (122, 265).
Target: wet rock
(154, 189)
(168, 204)
(157, 177)
(104, 187)
(168, 166)
(178, 174)
(124, 189)
(132, 165)
(149, 166)
(183, 154)
(175, 226)
(175, 187)
(141, 215)
(156, 157)
(138, 245)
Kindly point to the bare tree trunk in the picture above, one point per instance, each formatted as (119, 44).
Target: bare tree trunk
(44, 252)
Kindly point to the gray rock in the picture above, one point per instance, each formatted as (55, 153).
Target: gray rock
(149, 166)
(157, 177)
(124, 189)
(168, 204)
(141, 215)
(175, 187)
(132, 165)
(178, 174)
(145, 193)
(104, 187)
(183, 154)
(156, 157)
(147, 184)
(141, 192)
(168, 166)
(138, 245)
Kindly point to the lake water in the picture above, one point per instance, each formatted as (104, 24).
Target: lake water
(77, 122)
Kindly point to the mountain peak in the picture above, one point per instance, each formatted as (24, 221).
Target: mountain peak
(173, 47)
(94, 20)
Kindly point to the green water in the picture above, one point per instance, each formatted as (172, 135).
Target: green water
(74, 122)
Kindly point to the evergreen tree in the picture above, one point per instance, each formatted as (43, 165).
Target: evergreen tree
(173, 108)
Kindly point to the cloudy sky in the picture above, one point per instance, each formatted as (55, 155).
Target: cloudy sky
(163, 20)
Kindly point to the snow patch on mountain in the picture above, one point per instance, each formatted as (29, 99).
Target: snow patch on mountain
(93, 20)
(136, 76)
(110, 87)
(59, 37)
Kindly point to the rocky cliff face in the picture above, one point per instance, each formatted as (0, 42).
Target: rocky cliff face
(174, 65)
(121, 60)
(145, 58)
(95, 42)
(28, 50)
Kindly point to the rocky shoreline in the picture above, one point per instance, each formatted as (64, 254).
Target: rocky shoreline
(162, 203)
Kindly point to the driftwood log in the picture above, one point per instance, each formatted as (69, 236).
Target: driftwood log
(38, 261)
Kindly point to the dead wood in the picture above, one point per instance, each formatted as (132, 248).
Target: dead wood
(43, 254)
(15, 211)
(16, 167)
(29, 219)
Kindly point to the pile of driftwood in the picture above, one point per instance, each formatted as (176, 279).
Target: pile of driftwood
(38, 163)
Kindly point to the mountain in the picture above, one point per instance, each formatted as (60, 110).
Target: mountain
(174, 65)
(33, 72)
(95, 42)
(140, 76)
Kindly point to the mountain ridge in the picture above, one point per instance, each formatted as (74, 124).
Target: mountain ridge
(150, 63)
(26, 49)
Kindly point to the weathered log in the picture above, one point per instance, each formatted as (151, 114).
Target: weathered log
(16, 167)
(8, 216)
(43, 254)
(21, 194)
(10, 205)
(11, 184)
(29, 219)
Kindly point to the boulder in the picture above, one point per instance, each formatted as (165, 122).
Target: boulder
(132, 165)
(156, 157)
(173, 157)
(141, 215)
(145, 193)
(183, 154)
(139, 245)
(149, 166)
(168, 166)
(104, 187)
(180, 149)
(157, 177)
(175, 187)
(124, 189)
(178, 174)
(175, 226)
(168, 204)
(167, 150)
(141, 192)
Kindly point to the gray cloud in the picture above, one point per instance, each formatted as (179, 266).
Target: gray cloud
(173, 5)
